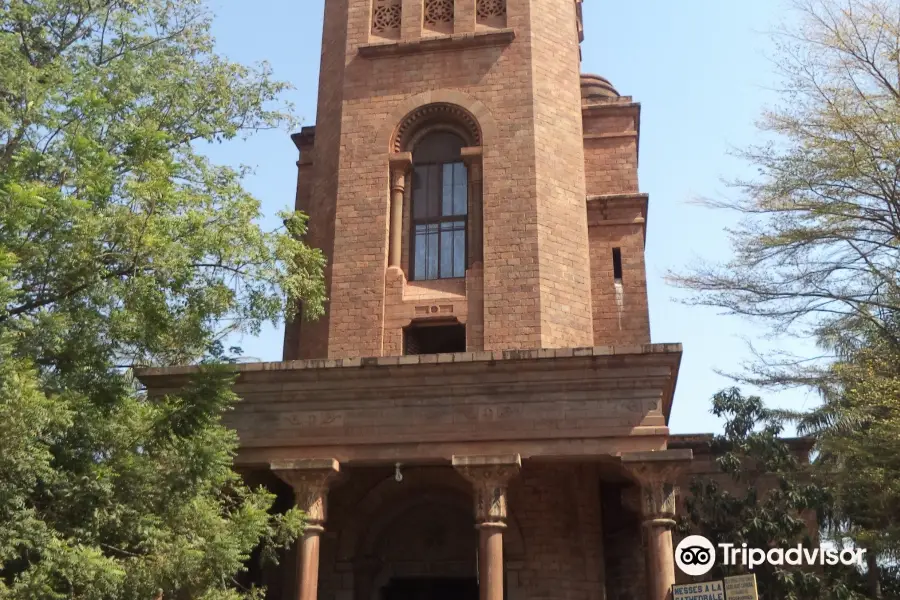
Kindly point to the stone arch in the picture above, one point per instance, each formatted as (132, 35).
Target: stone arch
(448, 109)
(388, 499)
(435, 117)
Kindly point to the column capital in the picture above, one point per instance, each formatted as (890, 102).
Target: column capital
(471, 154)
(400, 161)
(489, 476)
(310, 479)
(657, 473)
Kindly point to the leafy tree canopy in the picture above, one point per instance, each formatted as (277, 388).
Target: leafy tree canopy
(121, 245)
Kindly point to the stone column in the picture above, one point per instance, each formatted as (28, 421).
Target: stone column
(400, 163)
(489, 476)
(472, 157)
(310, 480)
(656, 473)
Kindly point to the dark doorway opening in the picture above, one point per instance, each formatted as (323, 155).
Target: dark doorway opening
(434, 338)
(431, 589)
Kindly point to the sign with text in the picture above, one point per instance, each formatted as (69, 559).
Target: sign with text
(741, 587)
(707, 590)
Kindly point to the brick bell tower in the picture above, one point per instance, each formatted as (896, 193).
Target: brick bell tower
(470, 188)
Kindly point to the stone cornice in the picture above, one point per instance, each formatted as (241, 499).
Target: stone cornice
(162, 376)
(598, 202)
(551, 403)
(305, 137)
(456, 41)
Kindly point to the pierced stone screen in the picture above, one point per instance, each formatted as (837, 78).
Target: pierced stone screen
(386, 18)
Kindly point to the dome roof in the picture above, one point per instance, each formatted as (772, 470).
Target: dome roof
(594, 87)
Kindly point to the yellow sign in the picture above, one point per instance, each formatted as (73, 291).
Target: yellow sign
(741, 587)
(707, 590)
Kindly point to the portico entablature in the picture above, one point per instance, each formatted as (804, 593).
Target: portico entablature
(541, 404)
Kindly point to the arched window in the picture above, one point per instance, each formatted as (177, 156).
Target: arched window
(439, 212)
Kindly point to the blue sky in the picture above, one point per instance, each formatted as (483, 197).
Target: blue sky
(701, 70)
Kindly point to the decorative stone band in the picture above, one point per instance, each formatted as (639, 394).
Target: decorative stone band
(310, 479)
(489, 476)
(656, 473)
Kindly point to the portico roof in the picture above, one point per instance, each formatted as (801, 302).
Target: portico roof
(548, 403)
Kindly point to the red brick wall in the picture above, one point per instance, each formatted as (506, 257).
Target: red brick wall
(325, 156)
(610, 147)
(621, 313)
(565, 299)
(557, 507)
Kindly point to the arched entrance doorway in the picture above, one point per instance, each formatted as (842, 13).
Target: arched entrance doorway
(427, 552)
(409, 540)
(421, 546)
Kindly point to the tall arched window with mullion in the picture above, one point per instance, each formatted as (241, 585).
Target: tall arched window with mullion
(439, 215)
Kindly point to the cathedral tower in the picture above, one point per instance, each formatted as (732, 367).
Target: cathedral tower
(471, 190)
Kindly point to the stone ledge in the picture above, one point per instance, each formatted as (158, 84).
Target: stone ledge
(606, 136)
(400, 362)
(306, 464)
(456, 41)
(659, 456)
(609, 107)
(644, 197)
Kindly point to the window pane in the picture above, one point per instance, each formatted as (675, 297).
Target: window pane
(447, 190)
(460, 189)
(426, 249)
(431, 269)
(446, 253)
(459, 253)
(433, 202)
(420, 260)
(418, 192)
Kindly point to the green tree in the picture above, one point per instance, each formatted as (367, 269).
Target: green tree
(857, 429)
(765, 498)
(120, 246)
(817, 253)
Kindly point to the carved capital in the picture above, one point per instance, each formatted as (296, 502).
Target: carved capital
(400, 163)
(656, 473)
(489, 476)
(471, 155)
(310, 480)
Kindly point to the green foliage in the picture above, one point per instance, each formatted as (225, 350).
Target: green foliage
(122, 246)
(126, 498)
(857, 432)
(817, 253)
(110, 221)
(763, 498)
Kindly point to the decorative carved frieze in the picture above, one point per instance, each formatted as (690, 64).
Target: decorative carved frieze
(489, 476)
(310, 480)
